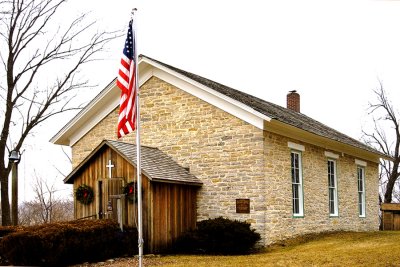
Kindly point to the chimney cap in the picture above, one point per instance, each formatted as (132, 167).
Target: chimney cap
(293, 91)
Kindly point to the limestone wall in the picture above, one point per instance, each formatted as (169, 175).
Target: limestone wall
(223, 151)
(237, 160)
(280, 223)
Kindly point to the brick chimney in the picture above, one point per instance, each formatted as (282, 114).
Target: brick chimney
(293, 101)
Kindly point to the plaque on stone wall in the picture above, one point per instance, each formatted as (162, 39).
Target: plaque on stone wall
(242, 205)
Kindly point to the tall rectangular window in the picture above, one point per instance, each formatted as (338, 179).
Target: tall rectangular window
(297, 184)
(361, 190)
(332, 185)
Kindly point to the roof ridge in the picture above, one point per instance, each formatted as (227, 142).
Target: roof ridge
(274, 111)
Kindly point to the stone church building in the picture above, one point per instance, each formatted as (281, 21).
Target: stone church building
(234, 155)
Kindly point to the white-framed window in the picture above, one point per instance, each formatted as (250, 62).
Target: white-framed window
(361, 190)
(297, 184)
(332, 187)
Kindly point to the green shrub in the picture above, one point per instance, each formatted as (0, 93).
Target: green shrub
(61, 244)
(218, 236)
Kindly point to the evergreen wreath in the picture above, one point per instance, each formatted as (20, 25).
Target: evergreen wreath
(84, 194)
(130, 191)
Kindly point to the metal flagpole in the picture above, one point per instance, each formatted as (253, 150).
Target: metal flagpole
(138, 156)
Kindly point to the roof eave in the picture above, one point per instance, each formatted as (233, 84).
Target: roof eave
(79, 121)
(324, 142)
(211, 91)
(176, 182)
(69, 179)
(108, 99)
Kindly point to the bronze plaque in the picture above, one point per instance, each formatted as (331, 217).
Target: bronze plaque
(243, 205)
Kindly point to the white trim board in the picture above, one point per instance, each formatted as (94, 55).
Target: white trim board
(360, 163)
(296, 146)
(241, 111)
(331, 155)
(108, 100)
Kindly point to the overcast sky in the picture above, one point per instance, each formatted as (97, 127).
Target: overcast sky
(334, 53)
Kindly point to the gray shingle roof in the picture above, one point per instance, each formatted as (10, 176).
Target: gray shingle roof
(155, 164)
(274, 111)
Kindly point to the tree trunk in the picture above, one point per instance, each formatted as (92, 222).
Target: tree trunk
(5, 204)
(391, 182)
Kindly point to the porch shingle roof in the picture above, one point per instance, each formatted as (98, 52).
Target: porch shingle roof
(155, 164)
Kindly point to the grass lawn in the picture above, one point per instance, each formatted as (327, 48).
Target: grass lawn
(336, 249)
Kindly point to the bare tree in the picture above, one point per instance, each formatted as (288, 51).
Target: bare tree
(388, 142)
(42, 189)
(47, 207)
(29, 212)
(31, 49)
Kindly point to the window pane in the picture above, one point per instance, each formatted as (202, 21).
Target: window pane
(295, 191)
(295, 206)
(361, 190)
(296, 203)
(296, 176)
(293, 175)
(296, 183)
(292, 159)
(296, 161)
(333, 205)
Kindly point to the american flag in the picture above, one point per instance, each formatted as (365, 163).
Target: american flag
(127, 83)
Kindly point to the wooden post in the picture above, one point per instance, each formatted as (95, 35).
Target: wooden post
(14, 194)
(119, 213)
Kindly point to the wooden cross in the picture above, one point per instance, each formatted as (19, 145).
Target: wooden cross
(109, 166)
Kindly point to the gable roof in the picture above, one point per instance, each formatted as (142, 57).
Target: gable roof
(155, 164)
(276, 112)
(262, 114)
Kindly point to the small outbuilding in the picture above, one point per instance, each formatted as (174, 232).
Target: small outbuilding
(168, 190)
(390, 216)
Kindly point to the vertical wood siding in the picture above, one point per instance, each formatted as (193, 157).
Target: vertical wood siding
(174, 211)
(168, 209)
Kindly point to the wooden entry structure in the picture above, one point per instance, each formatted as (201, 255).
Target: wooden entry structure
(390, 216)
(169, 191)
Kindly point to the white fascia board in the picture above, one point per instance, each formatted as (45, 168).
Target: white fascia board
(108, 100)
(209, 95)
(94, 112)
(98, 115)
(81, 121)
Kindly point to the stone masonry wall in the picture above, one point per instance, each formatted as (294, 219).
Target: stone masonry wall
(223, 151)
(280, 223)
(237, 160)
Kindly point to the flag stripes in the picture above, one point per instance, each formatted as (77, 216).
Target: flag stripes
(126, 81)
